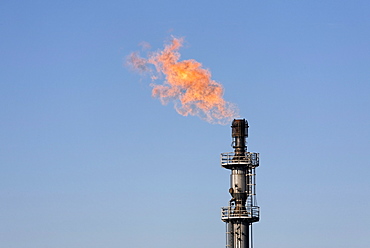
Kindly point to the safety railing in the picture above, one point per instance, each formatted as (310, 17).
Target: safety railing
(248, 159)
(252, 213)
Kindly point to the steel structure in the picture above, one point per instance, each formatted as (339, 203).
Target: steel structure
(242, 210)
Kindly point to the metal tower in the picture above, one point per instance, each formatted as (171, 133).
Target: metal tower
(242, 210)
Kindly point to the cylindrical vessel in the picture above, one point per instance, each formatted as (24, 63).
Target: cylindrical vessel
(238, 188)
(241, 234)
(239, 134)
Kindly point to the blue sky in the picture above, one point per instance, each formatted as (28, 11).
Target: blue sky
(89, 159)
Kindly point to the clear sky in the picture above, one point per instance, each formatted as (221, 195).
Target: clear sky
(89, 159)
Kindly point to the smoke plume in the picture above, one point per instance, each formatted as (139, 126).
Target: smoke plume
(186, 84)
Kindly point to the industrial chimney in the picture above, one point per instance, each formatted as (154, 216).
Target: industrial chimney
(242, 210)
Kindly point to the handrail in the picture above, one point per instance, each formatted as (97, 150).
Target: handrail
(232, 213)
(248, 159)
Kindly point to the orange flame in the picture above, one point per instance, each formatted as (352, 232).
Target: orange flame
(187, 84)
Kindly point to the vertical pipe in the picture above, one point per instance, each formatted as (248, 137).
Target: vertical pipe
(230, 235)
(239, 133)
(241, 208)
(241, 234)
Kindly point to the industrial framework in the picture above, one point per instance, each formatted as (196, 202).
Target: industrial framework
(242, 210)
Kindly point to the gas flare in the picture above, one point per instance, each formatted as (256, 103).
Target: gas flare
(186, 83)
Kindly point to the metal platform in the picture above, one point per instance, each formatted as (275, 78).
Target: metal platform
(229, 159)
(250, 214)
